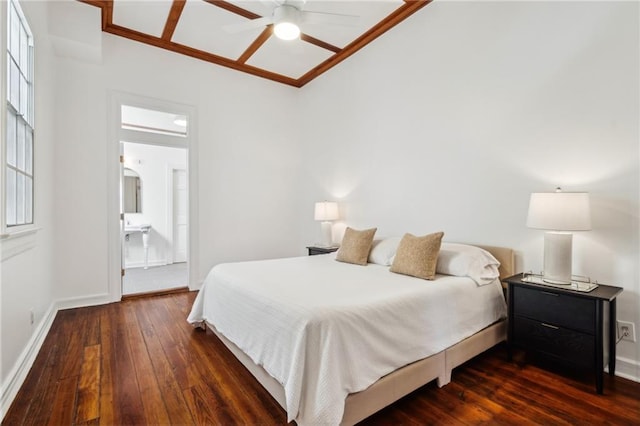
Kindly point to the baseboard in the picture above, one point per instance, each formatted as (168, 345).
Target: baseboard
(80, 302)
(198, 285)
(21, 368)
(18, 373)
(627, 368)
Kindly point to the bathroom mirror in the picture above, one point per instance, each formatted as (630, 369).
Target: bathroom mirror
(132, 192)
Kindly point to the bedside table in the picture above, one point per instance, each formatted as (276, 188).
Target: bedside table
(313, 250)
(564, 325)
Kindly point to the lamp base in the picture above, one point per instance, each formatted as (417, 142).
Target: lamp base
(557, 257)
(327, 237)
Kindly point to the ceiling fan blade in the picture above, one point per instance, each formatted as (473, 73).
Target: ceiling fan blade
(270, 4)
(248, 25)
(309, 17)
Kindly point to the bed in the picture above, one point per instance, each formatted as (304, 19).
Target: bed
(308, 329)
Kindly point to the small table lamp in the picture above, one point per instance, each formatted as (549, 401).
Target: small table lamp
(326, 211)
(559, 212)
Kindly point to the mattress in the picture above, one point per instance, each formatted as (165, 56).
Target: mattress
(324, 329)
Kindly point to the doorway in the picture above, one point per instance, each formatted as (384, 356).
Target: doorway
(167, 124)
(155, 208)
(154, 201)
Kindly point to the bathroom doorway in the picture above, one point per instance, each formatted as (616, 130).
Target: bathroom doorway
(154, 202)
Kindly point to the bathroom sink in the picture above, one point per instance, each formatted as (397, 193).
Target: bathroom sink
(143, 227)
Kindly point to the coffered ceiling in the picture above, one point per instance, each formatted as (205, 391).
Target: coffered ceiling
(204, 29)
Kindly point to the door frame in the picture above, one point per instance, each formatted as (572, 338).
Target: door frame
(116, 135)
(171, 168)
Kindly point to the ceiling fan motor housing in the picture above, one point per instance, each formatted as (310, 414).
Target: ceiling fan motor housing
(286, 20)
(286, 13)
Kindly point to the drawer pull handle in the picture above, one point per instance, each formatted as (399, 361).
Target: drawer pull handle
(549, 325)
(550, 294)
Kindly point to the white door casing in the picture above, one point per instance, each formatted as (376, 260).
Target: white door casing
(180, 215)
(114, 226)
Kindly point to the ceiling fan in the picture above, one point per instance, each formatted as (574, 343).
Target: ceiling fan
(288, 15)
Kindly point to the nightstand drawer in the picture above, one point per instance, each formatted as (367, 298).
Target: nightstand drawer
(556, 309)
(569, 345)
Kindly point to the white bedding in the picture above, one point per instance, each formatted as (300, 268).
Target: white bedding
(324, 329)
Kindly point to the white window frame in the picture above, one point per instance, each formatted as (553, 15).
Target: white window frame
(26, 116)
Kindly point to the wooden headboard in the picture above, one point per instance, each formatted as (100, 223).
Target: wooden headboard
(505, 256)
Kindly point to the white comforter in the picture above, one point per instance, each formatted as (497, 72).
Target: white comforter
(324, 329)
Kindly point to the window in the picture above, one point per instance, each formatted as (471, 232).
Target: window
(19, 128)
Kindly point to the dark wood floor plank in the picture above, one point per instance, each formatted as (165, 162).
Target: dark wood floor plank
(164, 371)
(89, 387)
(186, 367)
(64, 401)
(219, 380)
(74, 342)
(150, 367)
(128, 399)
(499, 414)
(245, 403)
(109, 415)
(488, 383)
(151, 395)
(92, 334)
(207, 406)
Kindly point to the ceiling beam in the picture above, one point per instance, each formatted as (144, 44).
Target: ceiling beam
(319, 43)
(257, 43)
(397, 16)
(172, 19)
(230, 7)
(96, 3)
(198, 54)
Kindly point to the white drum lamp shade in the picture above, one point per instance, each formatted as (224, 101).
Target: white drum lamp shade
(325, 212)
(559, 213)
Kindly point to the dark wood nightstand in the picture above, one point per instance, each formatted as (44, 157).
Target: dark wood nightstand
(313, 250)
(561, 324)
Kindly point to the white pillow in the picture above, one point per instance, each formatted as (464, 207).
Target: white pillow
(462, 260)
(383, 251)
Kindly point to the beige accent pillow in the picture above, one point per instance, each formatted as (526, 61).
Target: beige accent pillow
(418, 256)
(356, 246)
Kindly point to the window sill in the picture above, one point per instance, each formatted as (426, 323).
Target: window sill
(17, 242)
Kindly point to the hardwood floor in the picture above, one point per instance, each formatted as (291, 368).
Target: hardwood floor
(139, 362)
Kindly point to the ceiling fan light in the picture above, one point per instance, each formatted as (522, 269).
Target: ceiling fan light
(286, 30)
(285, 19)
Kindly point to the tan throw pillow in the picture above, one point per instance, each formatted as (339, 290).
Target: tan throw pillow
(356, 246)
(418, 256)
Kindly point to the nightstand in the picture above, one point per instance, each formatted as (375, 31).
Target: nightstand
(563, 325)
(313, 250)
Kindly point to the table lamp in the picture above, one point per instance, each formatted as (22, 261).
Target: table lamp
(559, 213)
(325, 212)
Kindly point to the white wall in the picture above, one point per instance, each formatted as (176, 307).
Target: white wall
(248, 157)
(486, 103)
(153, 164)
(26, 271)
